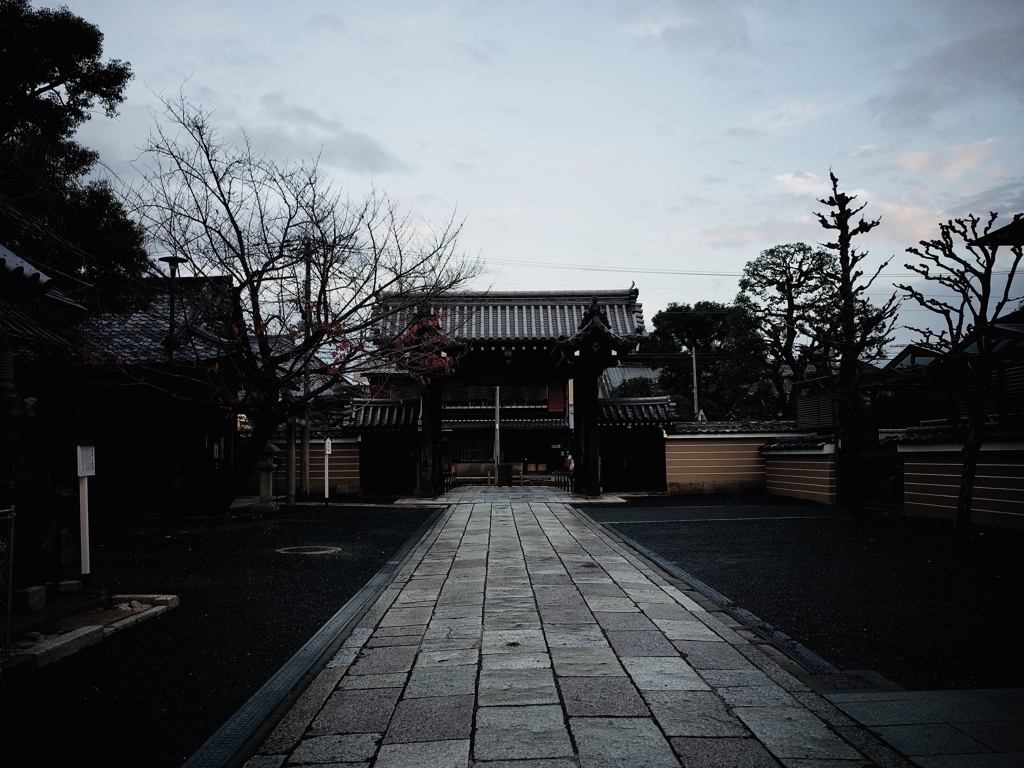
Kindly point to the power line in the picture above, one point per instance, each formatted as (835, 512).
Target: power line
(647, 271)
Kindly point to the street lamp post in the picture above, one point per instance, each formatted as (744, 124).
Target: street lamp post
(172, 262)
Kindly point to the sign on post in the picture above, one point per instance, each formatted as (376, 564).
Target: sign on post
(327, 482)
(86, 469)
(86, 460)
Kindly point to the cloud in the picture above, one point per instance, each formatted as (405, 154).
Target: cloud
(865, 150)
(979, 67)
(717, 34)
(950, 163)
(503, 211)
(760, 235)
(299, 131)
(483, 52)
(326, 22)
(1005, 198)
(747, 133)
(905, 223)
(779, 120)
(803, 184)
(695, 25)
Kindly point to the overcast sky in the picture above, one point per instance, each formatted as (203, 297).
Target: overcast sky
(593, 143)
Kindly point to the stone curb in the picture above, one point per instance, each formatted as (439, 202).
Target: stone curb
(25, 661)
(57, 648)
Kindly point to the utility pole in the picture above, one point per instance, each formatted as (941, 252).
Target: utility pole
(696, 407)
(172, 262)
(307, 253)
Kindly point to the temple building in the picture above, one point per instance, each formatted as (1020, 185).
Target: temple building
(507, 385)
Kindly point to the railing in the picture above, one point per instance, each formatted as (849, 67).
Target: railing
(6, 579)
(563, 479)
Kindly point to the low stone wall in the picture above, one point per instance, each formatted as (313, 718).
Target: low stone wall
(715, 464)
(811, 477)
(932, 485)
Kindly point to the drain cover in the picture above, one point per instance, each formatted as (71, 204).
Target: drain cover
(309, 550)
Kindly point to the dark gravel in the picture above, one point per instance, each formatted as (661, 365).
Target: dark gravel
(900, 596)
(152, 695)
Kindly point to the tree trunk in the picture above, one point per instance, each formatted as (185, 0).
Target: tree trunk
(848, 455)
(973, 439)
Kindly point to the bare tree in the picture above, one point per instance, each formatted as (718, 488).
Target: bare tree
(968, 304)
(307, 264)
(857, 333)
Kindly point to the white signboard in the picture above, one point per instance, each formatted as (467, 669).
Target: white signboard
(86, 460)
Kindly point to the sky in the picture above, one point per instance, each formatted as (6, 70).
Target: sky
(593, 144)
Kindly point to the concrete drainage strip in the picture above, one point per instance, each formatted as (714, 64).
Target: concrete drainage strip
(262, 711)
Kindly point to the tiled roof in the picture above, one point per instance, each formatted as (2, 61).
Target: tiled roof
(506, 316)
(21, 282)
(733, 427)
(1011, 234)
(637, 410)
(403, 414)
(19, 325)
(526, 422)
(947, 433)
(799, 443)
(611, 378)
(137, 338)
(30, 279)
(382, 414)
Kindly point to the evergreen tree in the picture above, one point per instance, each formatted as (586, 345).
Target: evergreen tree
(51, 213)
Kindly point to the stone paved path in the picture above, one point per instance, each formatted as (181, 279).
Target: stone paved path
(518, 634)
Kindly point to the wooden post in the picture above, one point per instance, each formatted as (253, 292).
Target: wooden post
(588, 462)
(86, 469)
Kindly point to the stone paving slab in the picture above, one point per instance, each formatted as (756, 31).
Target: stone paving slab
(945, 729)
(519, 634)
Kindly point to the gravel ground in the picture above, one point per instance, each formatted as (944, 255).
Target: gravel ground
(900, 596)
(152, 695)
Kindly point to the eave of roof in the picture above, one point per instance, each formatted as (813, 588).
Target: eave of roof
(734, 427)
(18, 325)
(1011, 234)
(619, 411)
(517, 316)
(803, 443)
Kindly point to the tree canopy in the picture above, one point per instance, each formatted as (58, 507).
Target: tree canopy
(787, 292)
(51, 212)
(731, 371)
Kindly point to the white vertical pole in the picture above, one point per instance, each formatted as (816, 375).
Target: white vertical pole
(86, 455)
(327, 457)
(497, 425)
(83, 524)
(693, 356)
